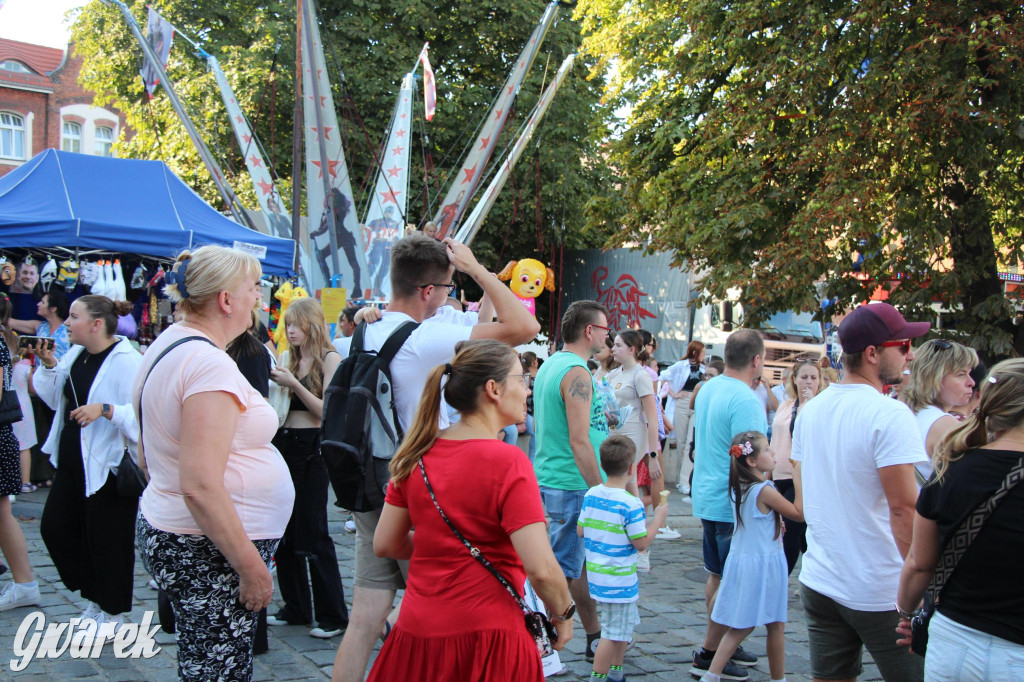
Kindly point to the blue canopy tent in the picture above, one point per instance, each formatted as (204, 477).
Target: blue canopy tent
(76, 201)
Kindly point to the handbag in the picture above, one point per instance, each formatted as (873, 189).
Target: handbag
(10, 406)
(951, 555)
(537, 623)
(279, 397)
(130, 479)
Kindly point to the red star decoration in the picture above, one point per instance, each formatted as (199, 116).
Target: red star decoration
(233, 101)
(323, 100)
(399, 133)
(240, 119)
(267, 187)
(397, 150)
(470, 172)
(484, 141)
(256, 161)
(331, 165)
(327, 131)
(394, 171)
(391, 195)
(510, 89)
(247, 138)
(498, 113)
(404, 116)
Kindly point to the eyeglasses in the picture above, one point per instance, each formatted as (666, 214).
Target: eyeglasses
(942, 344)
(601, 326)
(450, 286)
(524, 377)
(904, 345)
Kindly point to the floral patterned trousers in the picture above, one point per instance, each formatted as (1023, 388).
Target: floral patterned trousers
(214, 631)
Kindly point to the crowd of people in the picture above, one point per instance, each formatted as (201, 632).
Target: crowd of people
(865, 480)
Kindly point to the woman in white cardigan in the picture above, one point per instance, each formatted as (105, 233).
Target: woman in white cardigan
(88, 528)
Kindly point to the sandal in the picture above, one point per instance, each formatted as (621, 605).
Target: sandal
(387, 631)
(28, 488)
(48, 483)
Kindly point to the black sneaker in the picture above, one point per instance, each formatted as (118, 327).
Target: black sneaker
(588, 653)
(744, 658)
(731, 671)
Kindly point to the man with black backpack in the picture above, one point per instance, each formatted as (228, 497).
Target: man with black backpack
(421, 281)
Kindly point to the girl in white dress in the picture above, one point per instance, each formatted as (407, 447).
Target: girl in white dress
(755, 579)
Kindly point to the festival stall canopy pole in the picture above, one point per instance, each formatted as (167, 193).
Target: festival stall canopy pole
(78, 201)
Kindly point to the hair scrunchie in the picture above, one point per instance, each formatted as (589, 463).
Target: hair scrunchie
(178, 277)
(448, 368)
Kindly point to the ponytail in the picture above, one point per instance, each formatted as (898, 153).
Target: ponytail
(421, 435)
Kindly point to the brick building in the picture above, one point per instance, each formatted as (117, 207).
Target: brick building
(42, 105)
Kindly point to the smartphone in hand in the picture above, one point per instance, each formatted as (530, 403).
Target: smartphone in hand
(31, 341)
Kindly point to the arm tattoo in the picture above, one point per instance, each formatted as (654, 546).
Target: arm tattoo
(580, 389)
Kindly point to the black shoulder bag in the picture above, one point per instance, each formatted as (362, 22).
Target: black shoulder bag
(951, 555)
(537, 623)
(10, 406)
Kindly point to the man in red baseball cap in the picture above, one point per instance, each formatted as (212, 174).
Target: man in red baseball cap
(857, 450)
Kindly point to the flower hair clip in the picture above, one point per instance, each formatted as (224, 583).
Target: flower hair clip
(744, 448)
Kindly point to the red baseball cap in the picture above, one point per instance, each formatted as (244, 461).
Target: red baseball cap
(874, 324)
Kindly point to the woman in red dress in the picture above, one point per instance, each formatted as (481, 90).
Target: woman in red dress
(457, 621)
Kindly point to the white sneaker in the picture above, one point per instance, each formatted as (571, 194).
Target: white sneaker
(667, 533)
(684, 488)
(16, 595)
(350, 526)
(91, 612)
(152, 584)
(322, 633)
(643, 562)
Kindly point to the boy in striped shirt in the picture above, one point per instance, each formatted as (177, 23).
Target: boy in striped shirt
(614, 527)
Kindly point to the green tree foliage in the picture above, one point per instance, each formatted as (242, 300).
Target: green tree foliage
(369, 46)
(775, 143)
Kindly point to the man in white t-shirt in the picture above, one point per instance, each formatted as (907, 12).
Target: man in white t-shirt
(421, 281)
(346, 327)
(858, 450)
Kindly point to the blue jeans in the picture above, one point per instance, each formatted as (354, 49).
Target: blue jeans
(533, 437)
(563, 508)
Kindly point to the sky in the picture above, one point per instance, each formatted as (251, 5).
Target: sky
(40, 22)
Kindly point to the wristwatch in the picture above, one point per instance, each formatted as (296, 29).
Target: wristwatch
(566, 615)
(653, 454)
(105, 410)
(908, 615)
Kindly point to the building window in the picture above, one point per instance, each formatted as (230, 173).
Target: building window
(104, 141)
(12, 136)
(16, 67)
(71, 141)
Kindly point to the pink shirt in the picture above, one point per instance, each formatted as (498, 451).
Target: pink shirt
(256, 475)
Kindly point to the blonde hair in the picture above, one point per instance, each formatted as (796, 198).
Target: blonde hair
(791, 392)
(933, 361)
(308, 315)
(1001, 409)
(209, 270)
(475, 363)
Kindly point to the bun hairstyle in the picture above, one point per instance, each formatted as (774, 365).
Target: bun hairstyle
(741, 473)
(635, 340)
(1001, 409)
(198, 277)
(475, 363)
(102, 308)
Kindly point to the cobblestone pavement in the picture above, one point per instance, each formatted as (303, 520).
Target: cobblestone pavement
(671, 606)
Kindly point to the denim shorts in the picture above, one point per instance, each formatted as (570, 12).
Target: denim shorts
(717, 538)
(563, 508)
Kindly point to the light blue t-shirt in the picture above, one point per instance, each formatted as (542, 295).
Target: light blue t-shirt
(724, 407)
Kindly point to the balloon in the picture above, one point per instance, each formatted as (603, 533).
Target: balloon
(527, 278)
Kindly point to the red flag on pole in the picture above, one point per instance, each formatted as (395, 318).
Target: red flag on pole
(429, 89)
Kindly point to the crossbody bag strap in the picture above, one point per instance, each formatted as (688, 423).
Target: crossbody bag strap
(968, 530)
(792, 420)
(160, 357)
(475, 552)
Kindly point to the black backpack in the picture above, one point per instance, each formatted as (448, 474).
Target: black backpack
(360, 430)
